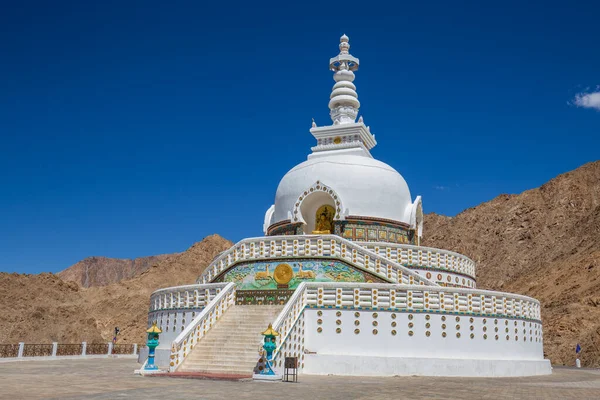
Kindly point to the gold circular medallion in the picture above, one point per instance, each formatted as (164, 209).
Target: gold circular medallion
(283, 274)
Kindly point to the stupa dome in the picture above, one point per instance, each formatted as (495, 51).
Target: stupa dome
(366, 187)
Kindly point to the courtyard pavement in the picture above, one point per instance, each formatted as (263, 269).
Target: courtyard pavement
(114, 379)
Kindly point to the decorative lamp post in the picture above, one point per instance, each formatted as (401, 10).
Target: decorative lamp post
(265, 367)
(152, 343)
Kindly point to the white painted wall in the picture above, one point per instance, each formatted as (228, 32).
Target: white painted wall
(366, 353)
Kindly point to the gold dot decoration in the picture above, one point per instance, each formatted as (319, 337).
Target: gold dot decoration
(457, 319)
(375, 332)
(338, 322)
(410, 333)
(458, 335)
(427, 333)
(410, 316)
(457, 327)
(357, 314)
(471, 327)
(393, 323)
(484, 321)
(375, 323)
(319, 313)
(517, 338)
(484, 336)
(375, 315)
(443, 334)
(443, 317)
(338, 330)
(393, 316)
(471, 320)
(496, 337)
(319, 321)
(472, 336)
(338, 314)
(393, 333)
(357, 322)
(356, 331)
(507, 337)
(319, 329)
(428, 317)
(443, 326)
(410, 324)
(495, 321)
(506, 322)
(427, 325)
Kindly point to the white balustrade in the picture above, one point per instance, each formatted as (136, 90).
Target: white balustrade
(321, 246)
(183, 297)
(424, 257)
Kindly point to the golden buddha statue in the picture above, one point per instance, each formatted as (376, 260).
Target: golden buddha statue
(324, 220)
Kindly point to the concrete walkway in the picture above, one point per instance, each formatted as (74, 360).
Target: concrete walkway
(114, 379)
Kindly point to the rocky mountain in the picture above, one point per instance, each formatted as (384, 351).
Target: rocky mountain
(102, 271)
(44, 308)
(543, 243)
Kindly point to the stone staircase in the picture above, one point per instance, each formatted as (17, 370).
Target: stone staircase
(231, 346)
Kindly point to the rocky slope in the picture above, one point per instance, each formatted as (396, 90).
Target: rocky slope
(102, 271)
(543, 243)
(43, 308)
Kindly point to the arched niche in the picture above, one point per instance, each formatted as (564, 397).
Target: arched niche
(314, 199)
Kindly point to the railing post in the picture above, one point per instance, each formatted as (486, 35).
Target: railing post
(135, 349)
(110, 347)
(83, 348)
(54, 348)
(21, 348)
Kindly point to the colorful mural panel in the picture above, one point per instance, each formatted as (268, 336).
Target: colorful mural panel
(262, 275)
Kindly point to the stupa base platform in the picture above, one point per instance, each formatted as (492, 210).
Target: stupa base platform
(267, 378)
(204, 375)
(363, 365)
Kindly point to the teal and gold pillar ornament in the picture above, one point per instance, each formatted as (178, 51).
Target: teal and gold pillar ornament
(269, 345)
(152, 343)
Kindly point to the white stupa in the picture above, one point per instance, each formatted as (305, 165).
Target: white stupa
(342, 278)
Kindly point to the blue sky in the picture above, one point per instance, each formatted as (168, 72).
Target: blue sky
(138, 128)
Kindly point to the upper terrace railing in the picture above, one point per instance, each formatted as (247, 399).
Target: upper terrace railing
(424, 257)
(181, 297)
(322, 246)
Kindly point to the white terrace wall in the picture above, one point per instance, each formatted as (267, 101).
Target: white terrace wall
(353, 342)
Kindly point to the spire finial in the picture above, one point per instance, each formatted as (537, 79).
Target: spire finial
(343, 103)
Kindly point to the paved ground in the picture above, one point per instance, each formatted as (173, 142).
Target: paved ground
(114, 379)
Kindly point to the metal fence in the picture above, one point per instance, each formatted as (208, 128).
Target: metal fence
(9, 350)
(97, 348)
(69, 349)
(37, 350)
(122, 349)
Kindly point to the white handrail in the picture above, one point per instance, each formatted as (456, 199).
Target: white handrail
(184, 297)
(207, 317)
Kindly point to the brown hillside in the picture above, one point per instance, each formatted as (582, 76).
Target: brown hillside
(544, 243)
(43, 308)
(102, 271)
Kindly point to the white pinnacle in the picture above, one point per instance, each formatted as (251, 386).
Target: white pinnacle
(343, 103)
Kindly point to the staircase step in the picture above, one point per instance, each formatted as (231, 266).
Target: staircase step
(231, 345)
